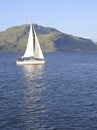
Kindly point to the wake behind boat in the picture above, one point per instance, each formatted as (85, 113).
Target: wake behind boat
(33, 53)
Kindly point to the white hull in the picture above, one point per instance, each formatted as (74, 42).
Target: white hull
(30, 62)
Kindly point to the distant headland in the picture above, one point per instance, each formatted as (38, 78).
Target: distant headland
(14, 39)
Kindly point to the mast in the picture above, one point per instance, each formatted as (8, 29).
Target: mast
(33, 39)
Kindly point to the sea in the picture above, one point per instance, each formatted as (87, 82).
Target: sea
(59, 95)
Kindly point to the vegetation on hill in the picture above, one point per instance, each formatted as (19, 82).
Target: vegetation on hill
(15, 39)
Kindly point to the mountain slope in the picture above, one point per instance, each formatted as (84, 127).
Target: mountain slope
(15, 39)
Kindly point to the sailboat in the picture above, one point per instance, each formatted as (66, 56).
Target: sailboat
(33, 53)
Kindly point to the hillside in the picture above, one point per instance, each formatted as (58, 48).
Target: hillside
(15, 39)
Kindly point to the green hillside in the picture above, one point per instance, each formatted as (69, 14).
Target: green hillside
(15, 39)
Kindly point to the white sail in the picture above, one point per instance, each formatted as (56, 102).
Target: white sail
(38, 52)
(29, 49)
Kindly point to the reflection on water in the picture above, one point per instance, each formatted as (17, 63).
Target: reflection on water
(30, 69)
(32, 72)
(33, 77)
(32, 101)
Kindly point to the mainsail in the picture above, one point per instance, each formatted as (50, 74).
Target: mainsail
(38, 52)
(33, 48)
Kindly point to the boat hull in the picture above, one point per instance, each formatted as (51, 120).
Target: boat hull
(30, 62)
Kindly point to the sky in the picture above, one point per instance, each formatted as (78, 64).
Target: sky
(74, 17)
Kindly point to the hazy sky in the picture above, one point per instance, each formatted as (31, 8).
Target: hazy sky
(74, 17)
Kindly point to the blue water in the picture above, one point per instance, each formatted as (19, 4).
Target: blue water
(60, 95)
